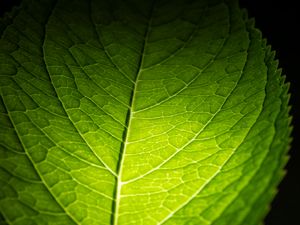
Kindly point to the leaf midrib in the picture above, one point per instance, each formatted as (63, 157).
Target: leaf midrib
(119, 183)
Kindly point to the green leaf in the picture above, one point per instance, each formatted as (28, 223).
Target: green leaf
(138, 112)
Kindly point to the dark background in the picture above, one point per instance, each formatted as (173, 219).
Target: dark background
(279, 23)
(6, 5)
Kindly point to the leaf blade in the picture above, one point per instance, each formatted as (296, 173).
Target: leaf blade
(132, 120)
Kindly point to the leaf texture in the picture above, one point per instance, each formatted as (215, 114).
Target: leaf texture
(138, 112)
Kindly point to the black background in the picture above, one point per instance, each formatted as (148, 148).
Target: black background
(279, 23)
(6, 5)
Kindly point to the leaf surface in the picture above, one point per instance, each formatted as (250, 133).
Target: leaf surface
(130, 112)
